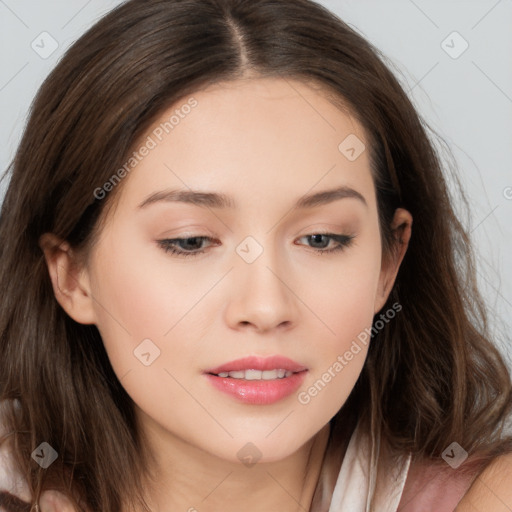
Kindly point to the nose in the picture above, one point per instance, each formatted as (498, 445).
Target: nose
(262, 297)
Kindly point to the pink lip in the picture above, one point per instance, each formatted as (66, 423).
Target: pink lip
(258, 392)
(259, 363)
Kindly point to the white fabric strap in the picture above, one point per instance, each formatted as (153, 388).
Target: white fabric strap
(357, 479)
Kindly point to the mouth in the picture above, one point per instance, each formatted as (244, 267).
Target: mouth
(258, 381)
(251, 374)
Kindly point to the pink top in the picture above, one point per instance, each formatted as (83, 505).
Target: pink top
(432, 489)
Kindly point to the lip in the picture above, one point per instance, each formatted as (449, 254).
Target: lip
(259, 363)
(258, 392)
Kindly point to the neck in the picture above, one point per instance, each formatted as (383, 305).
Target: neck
(186, 478)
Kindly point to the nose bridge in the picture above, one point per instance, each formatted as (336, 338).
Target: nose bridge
(263, 296)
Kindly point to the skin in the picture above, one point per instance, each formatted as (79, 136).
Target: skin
(491, 490)
(275, 141)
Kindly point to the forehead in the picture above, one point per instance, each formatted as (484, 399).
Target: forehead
(258, 138)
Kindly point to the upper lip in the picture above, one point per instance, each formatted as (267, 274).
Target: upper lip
(259, 363)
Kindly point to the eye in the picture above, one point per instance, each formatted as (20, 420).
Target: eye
(324, 239)
(170, 245)
(193, 246)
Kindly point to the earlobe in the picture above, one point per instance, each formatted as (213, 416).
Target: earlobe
(402, 229)
(70, 282)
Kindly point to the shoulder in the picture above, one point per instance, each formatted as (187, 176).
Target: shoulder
(491, 489)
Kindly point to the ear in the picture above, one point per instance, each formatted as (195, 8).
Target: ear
(401, 227)
(69, 280)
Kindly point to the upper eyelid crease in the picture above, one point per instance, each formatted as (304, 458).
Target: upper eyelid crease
(217, 200)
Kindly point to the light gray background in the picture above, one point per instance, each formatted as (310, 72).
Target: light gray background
(466, 98)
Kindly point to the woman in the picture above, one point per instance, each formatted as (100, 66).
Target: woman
(233, 278)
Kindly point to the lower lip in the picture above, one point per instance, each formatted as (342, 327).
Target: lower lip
(258, 392)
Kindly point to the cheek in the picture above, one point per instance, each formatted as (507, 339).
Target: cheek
(346, 307)
(138, 297)
(342, 295)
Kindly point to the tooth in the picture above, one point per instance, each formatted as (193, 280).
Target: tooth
(253, 374)
(257, 374)
(237, 374)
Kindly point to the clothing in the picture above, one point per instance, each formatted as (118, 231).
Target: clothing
(11, 481)
(400, 486)
(358, 478)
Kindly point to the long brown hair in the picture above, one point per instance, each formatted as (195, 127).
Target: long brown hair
(432, 376)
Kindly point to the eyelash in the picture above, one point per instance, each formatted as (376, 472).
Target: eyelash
(168, 245)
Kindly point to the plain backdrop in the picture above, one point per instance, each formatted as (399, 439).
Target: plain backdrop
(453, 57)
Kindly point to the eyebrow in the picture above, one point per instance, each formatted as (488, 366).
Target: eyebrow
(222, 201)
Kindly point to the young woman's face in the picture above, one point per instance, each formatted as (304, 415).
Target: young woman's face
(253, 277)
